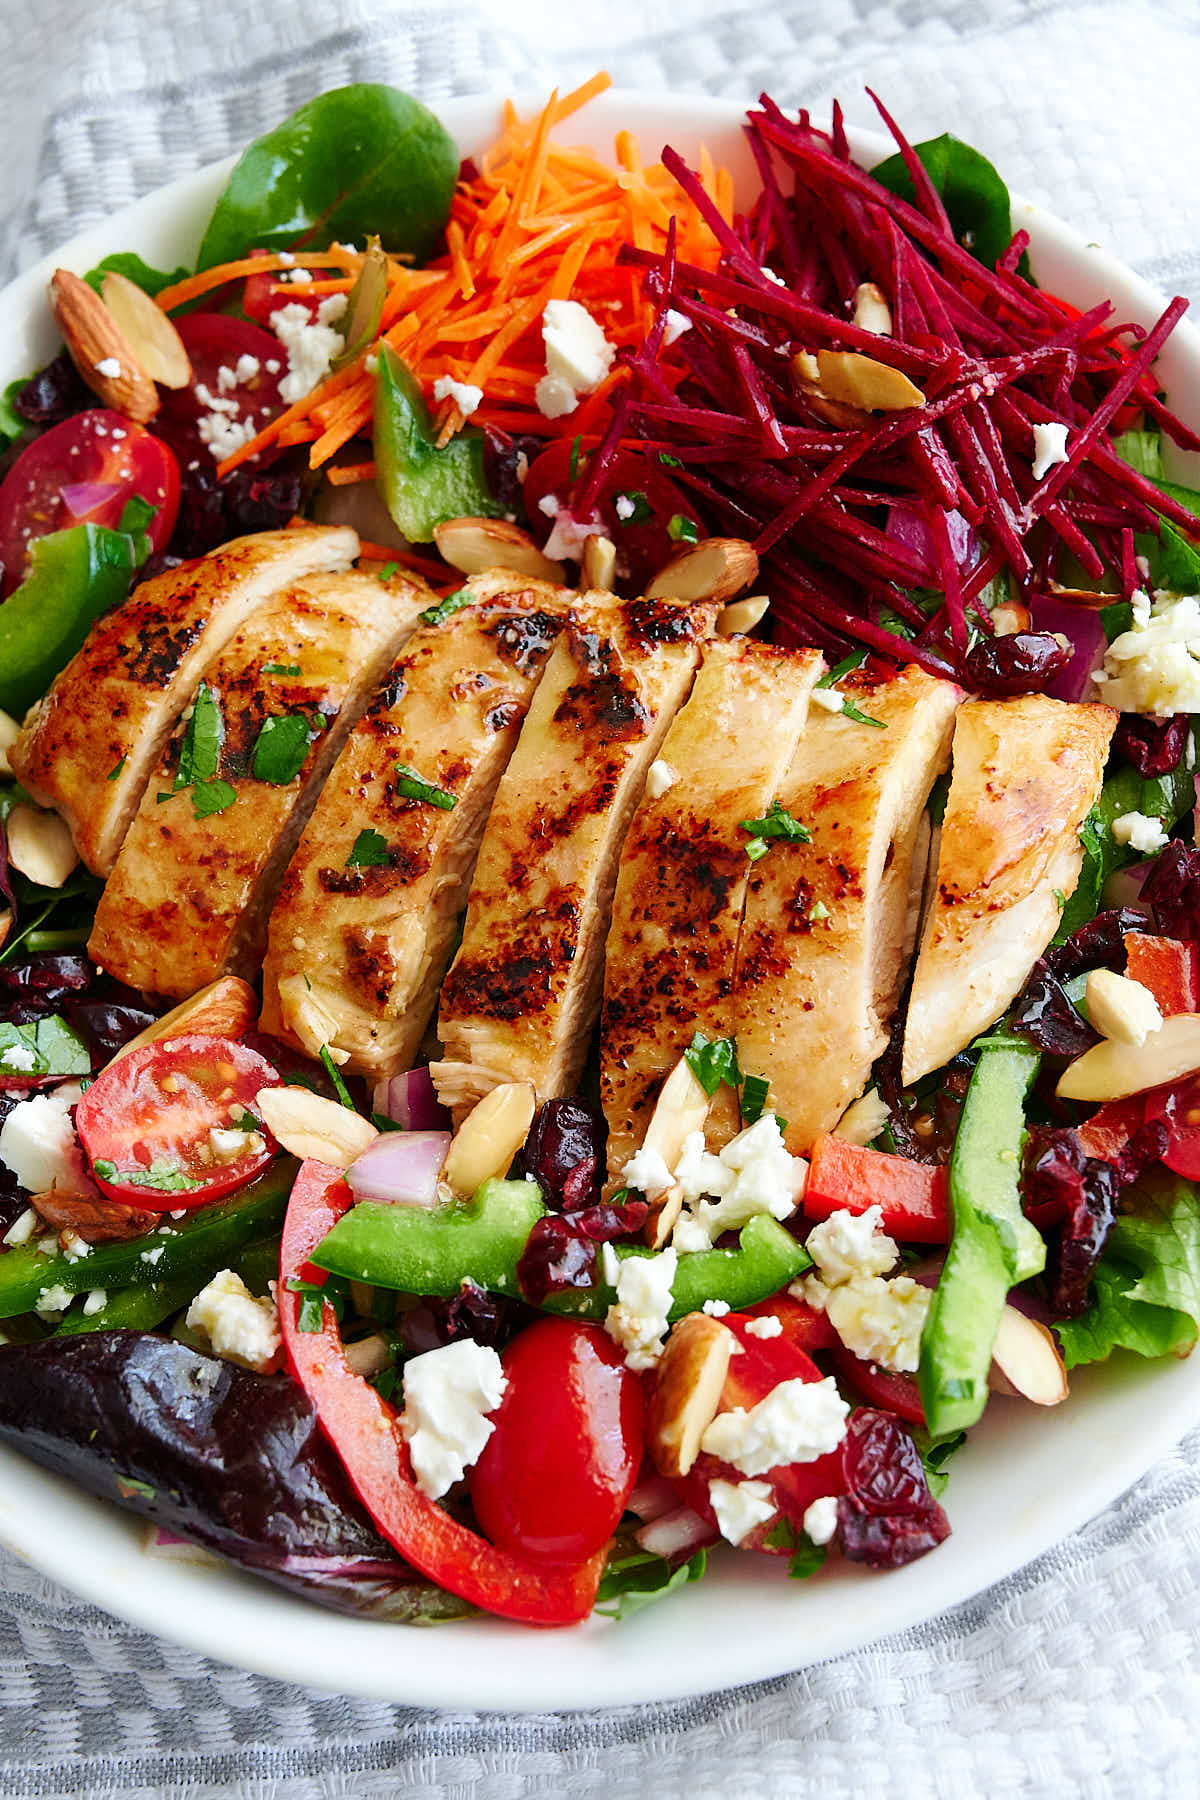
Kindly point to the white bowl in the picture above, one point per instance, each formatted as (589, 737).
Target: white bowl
(1027, 1478)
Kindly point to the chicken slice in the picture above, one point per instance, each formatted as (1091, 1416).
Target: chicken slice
(521, 997)
(90, 745)
(366, 916)
(823, 939)
(681, 886)
(190, 890)
(1026, 774)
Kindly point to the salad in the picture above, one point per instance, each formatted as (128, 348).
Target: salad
(599, 933)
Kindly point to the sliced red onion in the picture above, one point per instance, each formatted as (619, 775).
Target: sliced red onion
(400, 1168)
(1082, 626)
(411, 1100)
(83, 497)
(652, 1497)
(1124, 886)
(676, 1533)
(910, 527)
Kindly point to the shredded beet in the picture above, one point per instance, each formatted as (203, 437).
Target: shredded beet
(767, 455)
(1151, 746)
(887, 1517)
(1172, 889)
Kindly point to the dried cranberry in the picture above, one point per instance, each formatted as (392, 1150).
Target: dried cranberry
(55, 393)
(1021, 663)
(560, 1251)
(887, 1517)
(1152, 746)
(249, 498)
(155, 565)
(51, 976)
(1063, 1183)
(562, 1153)
(108, 1023)
(1100, 944)
(503, 468)
(1044, 1014)
(471, 1313)
(1172, 890)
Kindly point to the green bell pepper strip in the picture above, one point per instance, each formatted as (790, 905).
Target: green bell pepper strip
(76, 575)
(420, 484)
(432, 1253)
(992, 1246)
(146, 1304)
(208, 1237)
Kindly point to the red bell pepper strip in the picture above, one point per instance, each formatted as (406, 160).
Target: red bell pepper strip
(912, 1195)
(364, 1430)
(802, 1325)
(886, 1388)
(1170, 970)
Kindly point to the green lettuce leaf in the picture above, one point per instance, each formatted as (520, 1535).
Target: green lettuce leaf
(1164, 797)
(1147, 1286)
(636, 1579)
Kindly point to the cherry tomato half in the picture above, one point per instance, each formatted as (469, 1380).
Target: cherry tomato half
(83, 472)
(216, 344)
(562, 1460)
(161, 1126)
(1179, 1109)
(643, 541)
(265, 294)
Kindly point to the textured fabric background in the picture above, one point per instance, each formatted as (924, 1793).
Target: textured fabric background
(1077, 1676)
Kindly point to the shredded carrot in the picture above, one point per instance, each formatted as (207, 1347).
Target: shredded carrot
(533, 220)
(342, 474)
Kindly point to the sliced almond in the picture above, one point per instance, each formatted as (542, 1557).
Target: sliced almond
(742, 615)
(309, 1126)
(367, 1355)
(1118, 1008)
(225, 1008)
(40, 845)
(687, 1391)
(1026, 1362)
(681, 1108)
(1111, 1071)
(714, 569)
(858, 380)
(665, 1209)
(10, 731)
(476, 545)
(863, 1119)
(100, 350)
(599, 563)
(1009, 618)
(490, 1136)
(148, 331)
(871, 310)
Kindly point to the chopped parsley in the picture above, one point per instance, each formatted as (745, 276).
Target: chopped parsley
(313, 1295)
(164, 1177)
(200, 750)
(755, 1089)
(282, 746)
(850, 711)
(668, 461)
(115, 771)
(281, 668)
(638, 1578)
(778, 823)
(573, 465)
(437, 615)
(855, 660)
(335, 1076)
(369, 851)
(387, 571)
(642, 509)
(713, 1061)
(817, 913)
(412, 786)
(210, 797)
(682, 530)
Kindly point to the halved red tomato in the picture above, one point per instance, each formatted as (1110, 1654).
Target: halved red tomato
(236, 371)
(174, 1124)
(646, 491)
(1179, 1109)
(265, 294)
(84, 472)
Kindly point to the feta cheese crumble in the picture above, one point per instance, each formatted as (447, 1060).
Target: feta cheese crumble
(463, 393)
(881, 1321)
(311, 344)
(96, 1302)
(578, 357)
(847, 1244)
(1154, 667)
(19, 1056)
(716, 1309)
(52, 1302)
(1140, 831)
(108, 366)
(739, 1506)
(38, 1143)
(240, 1328)
(638, 1321)
(754, 1173)
(820, 1519)
(624, 508)
(674, 325)
(1049, 447)
(227, 1144)
(659, 777)
(448, 1394)
(798, 1421)
(828, 699)
(647, 1171)
(768, 1326)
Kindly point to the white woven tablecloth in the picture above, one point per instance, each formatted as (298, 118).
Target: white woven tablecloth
(1077, 1676)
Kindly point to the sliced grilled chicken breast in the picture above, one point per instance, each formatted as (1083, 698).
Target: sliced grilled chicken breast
(521, 997)
(92, 742)
(681, 885)
(1026, 774)
(823, 938)
(364, 924)
(190, 890)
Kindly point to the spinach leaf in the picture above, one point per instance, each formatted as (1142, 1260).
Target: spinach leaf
(637, 1579)
(129, 264)
(975, 198)
(47, 1047)
(357, 160)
